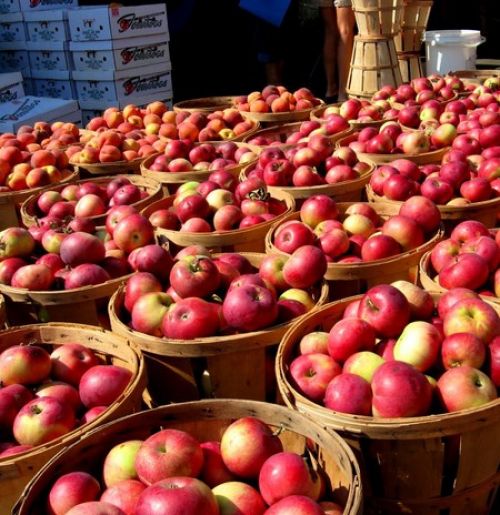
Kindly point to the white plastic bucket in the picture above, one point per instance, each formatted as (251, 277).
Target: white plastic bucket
(449, 50)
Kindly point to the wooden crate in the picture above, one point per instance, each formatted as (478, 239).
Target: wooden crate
(351, 278)
(16, 471)
(250, 239)
(376, 18)
(374, 63)
(10, 202)
(118, 167)
(207, 420)
(446, 464)
(269, 119)
(413, 24)
(235, 366)
(205, 105)
(29, 210)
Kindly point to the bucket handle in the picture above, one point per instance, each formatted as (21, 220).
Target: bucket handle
(482, 39)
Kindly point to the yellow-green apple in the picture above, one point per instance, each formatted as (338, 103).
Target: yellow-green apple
(400, 390)
(358, 224)
(386, 309)
(132, 232)
(461, 349)
(444, 135)
(285, 474)
(311, 374)
(416, 142)
(246, 444)
(451, 297)
(119, 463)
(148, 312)
(51, 240)
(465, 271)
(423, 211)
(348, 336)
(63, 392)
(12, 398)
(41, 420)
(299, 295)
(101, 385)
(237, 498)
(472, 316)
(349, 393)
(405, 231)
(124, 495)
(420, 301)
(292, 235)
(95, 508)
(305, 267)
(190, 318)
(24, 365)
(16, 242)
(318, 208)
(315, 342)
(186, 495)
(214, 471)
(418, 345)
(168, 453)
(70, 490)
(465, 387)
(86, 274)
(70, 361)
(363, 364)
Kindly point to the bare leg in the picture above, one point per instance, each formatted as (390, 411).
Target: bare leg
(329, 49)
(345, 24)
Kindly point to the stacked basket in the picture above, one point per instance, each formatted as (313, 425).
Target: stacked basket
(409, 40)
(374, 61)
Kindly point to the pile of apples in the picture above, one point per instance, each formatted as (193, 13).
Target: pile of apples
(335, 124)
(395, 354)
(156, 119)
(360, 235)
(197, 295)
(277, 99)
(219, 204)
(314, 162)
(469, 258)
(111, 146)
(362, 110)
(43, 258)
(86, 200)
(45, 396)
(185, 156)
(22, 169)
(248, 472)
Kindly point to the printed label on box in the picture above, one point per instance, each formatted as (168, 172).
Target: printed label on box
(54, 88)
(12, 27)
(9, 6)
(11, 93)
(50, 60)
(43, 5)
(12, 60)
(48, 30)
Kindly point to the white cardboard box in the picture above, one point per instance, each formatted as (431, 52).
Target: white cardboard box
(119, 54)
(52, 55)
(28, 110)
(13, 56)
(118, 22)
(11, 86)
(47, 25)
(133, 84)
(9, 6)
(12, 27)
(44, 5)
(53, 83)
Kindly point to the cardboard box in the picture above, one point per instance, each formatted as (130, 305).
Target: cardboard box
(53, 83)
(11, 86)
(9, 6)
(131, 84)
(47, 25)
(28, 110)
(119, 54)
(13, 56)
(12, 27)
(53, 55)
(93, 108)
(44, 5)
(101, 23)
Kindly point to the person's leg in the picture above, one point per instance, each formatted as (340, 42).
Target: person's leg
(345, 24)
(329, 17)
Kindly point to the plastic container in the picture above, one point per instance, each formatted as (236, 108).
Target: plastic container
(448, 50)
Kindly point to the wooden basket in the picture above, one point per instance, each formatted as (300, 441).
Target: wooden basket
(207, 420)
(78, 305)
(485, 212)
(410, 66)
(10, 202)
(17, 471)
(347, 191)
(351, 278)
(476, 76)
(374, 63)
(3, 314)
(220, 366)
(205, 105)
(434, 156)
(172, 180)
(279, 118)
(153, 188)
(376, 18)
(428, 278)
(250, 239)
(446, 464)
(118, 167)
(413, 24)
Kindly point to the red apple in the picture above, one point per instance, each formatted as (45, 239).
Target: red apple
(103, 384)
(70, 490)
